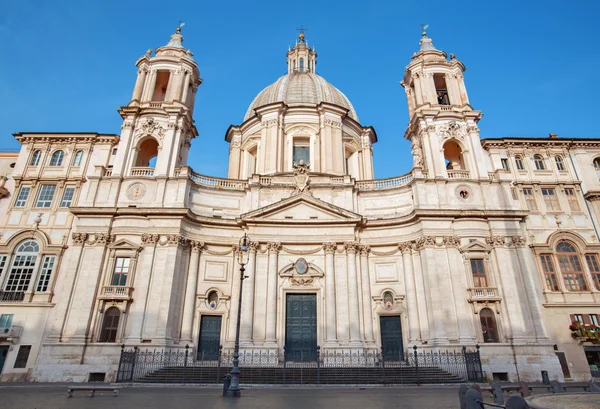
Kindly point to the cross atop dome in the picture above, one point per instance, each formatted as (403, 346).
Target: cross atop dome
(301, 58)
(425, 42)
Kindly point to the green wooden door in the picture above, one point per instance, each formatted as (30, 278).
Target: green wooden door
(391, 338)
(301, 327)
(210, 337)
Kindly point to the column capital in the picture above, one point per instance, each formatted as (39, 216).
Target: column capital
(405, 246)
(79, 238)
(364, 249)
(196, 246)
(254, 246)
(150, 239)
(351, 247)
(273, 247)
(330, 247)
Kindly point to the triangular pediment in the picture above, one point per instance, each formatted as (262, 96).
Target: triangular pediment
(476, 246)
(301, 208)
(124, 244)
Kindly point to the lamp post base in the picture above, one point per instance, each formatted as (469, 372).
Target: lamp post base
(233, 393)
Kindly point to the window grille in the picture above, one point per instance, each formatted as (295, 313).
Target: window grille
(22, 196)
(67, 198)
(594, 266)
(478, 270)
(572, 198)
(22, 268)
(35, 158)
(121, 270)
(57, 158)
(549, 272)
(110, 325)
(529, 198)
(570, 267)
(550, 199)
(45, 196)
(6, 320)
(77, 159)
(46, 273)
(488, 325)
(22, 356)
(539, 162)
(519, 162)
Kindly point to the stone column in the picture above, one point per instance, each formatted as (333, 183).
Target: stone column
(149, 87)
(366, 293)
(414, 333)
(186, 87)
(353, 316)
(271, 333)
(189, 305)
(248, 296)
(331, 336)
(176, 95)
(139, 84)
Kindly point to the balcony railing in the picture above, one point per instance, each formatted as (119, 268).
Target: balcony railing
(458, 174)
(12, 296)
(483, 294)
(384, 183)
(116, 292)
(230, 184)
(14, 331)
(145, 172)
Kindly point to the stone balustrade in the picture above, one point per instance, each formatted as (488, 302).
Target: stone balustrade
(381, 184)
(115, 292)
(458, 174)
(483, 293)
(144, 172)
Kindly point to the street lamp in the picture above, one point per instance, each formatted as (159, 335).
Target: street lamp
(234, 388)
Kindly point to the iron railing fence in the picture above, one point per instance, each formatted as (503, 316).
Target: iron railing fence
(327, 367)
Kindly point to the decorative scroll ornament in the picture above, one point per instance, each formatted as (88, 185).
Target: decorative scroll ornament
(301, 170)
(451, 130)
(151, 127)
(351, 247)
(174, 240)
(301, 281)
(101, 239)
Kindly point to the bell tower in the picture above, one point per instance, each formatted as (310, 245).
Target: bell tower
(157, 124)
(443, 125)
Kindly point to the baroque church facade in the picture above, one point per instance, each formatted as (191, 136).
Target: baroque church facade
(113, 239)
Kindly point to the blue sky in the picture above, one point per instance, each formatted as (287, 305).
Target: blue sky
(531, 65)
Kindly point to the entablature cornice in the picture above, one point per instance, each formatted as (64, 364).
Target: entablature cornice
(49, 138)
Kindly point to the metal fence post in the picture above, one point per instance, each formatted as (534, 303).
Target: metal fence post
(284, 364)
(383, 366)
(219, 364)
(135, 354)
(185, 359)
(479, 367)
(120, 362)
(417, 364)
(318, 365)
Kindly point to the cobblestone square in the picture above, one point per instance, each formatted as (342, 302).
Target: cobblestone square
(55, 397)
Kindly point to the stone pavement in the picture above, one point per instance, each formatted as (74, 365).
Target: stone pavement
(53, 396)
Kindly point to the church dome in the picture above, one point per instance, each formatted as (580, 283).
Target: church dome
(301, 88)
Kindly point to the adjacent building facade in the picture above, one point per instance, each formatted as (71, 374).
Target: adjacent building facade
(112, 239)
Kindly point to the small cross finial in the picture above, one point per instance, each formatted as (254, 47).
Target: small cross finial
(181, 24)
(424, 28)
(302, 30)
